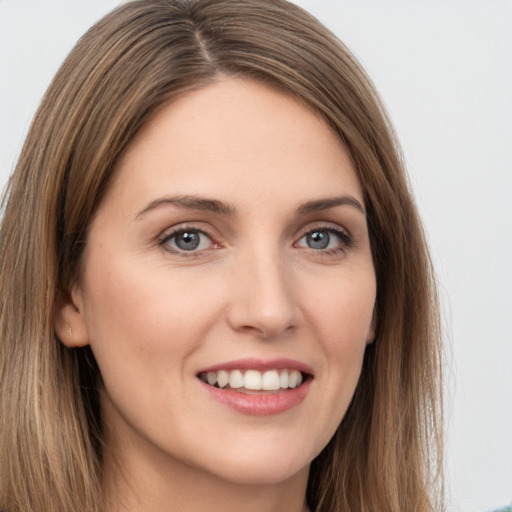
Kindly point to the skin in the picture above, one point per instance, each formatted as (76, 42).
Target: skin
(155, 315)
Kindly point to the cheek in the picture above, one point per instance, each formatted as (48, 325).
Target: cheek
(143, 323)
(342, 310)
(342, 318)
(142, 315)
(143, 298)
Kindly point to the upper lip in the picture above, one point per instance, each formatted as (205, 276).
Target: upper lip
(260, 365)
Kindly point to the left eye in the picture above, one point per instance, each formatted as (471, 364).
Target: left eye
(321, 239)
(188, 240)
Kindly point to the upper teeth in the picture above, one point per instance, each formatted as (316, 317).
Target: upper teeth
(254, 379)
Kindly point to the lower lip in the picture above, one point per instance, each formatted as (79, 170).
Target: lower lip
(260, 405)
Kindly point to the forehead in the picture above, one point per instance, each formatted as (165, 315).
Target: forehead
(236, 135)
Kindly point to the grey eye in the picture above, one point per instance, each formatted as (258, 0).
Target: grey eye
(325, 239)
(318, 239)
(188, 240)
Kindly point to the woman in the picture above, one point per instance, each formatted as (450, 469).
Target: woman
(216, 293)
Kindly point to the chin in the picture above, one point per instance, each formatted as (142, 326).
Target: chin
(261, 465)
(261, 472)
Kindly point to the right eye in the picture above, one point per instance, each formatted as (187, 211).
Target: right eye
(187, 240)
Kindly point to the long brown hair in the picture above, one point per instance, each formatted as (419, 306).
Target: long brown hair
(385, 455)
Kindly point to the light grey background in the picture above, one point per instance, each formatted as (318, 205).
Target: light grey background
(444, 69)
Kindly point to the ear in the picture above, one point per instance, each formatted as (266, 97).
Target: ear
(370, 337)
(69, 321)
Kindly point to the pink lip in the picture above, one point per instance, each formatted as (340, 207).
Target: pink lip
(260, 365)
(259, 404)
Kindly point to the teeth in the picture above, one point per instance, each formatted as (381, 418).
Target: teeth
(254, 380)
(236, 379)
(222, 378)
(295, 379)
(270, 381)
(284, 379)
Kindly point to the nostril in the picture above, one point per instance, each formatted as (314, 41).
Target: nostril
(265, 333)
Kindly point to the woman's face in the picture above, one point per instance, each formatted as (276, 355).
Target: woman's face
(230, 253)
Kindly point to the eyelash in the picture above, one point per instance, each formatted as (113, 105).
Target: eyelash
(345, 240)
(163, 241)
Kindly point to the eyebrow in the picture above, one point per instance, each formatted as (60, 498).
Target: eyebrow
(214, 206)
(331, 202)
(190, 203)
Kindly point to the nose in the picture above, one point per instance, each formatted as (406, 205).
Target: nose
(263, 300)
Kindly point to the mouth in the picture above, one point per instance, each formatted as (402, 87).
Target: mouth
(251, 381)
(258, 387)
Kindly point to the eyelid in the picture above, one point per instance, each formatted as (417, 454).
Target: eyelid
(344, 235)
(323, 225)
(171, 232)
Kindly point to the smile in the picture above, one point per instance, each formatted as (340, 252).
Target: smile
(259, 388)
(246, 381)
